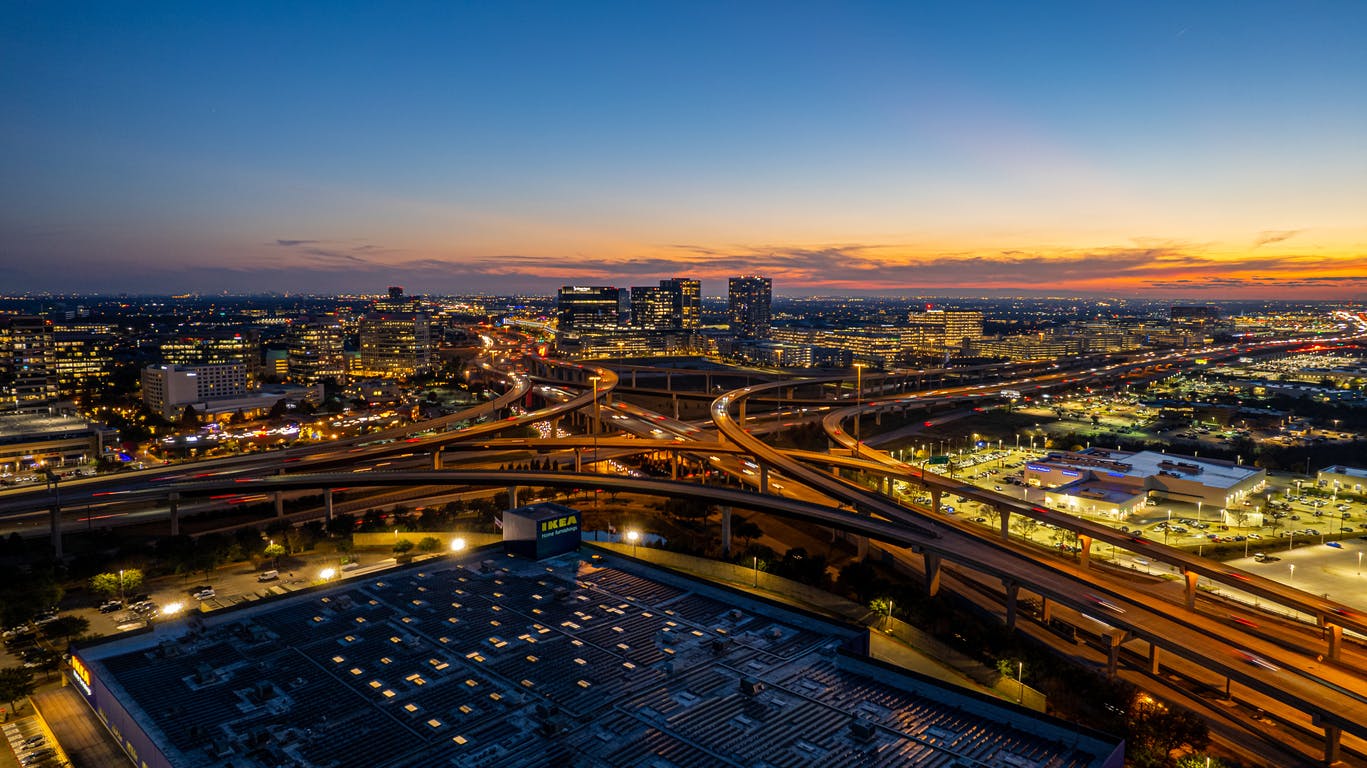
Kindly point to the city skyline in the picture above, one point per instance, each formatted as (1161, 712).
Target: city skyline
(1163, 151)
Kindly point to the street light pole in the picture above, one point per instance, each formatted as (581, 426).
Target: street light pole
(858, 403)
(593, 428)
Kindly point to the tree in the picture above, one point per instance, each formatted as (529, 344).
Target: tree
(1155, 731)
(881, 606)
(122, 582)
(1025, 526)
(746, 531)
(429, 544)
(190, 418)
(16, 683)
(274, 551)
(403, 546)
(66, 627)
(238, 417)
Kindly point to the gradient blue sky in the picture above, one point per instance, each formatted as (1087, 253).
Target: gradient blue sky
(1202, 149)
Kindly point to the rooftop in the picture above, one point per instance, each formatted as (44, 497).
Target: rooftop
(1347, 471)
(1209, 472)
(584, 660)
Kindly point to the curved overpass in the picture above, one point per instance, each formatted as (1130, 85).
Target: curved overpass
(1327, 694)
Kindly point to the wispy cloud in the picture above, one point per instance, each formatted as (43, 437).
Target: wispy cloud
(1270, 236)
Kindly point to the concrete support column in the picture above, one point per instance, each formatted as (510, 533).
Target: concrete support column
(173, 503)
(932, 561)
(742, 413)
(1191, 578)
(861, 544)
(1335, 633)
(935, 494)
(55, 528)
(1332, 734)
(1012, 590)
(1153, 659)
(633, 378)
(578, 459)
(512, 497)
(1113, 641)
(763, 478)
(279, 504)
(669, 381)
(726, 531)
(1046, 609)
(327, 505)
(675, 400)
(436, 459)
(887, 485)
(1085, 555)
(1006, 524)
(673, 465)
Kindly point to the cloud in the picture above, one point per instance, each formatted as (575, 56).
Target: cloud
(1269, 236)
(293, 243)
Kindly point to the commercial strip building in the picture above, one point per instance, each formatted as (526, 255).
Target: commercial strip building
(1342, 478)
(31, 441)
(1117, 483)
(581, 659)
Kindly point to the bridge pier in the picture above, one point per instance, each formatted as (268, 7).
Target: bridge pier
(935, 494)
(673, 398)
(512, 497)
(1113, 641)
(1012, 590)
(1153, 659)
(1084, 556)
(1191, 579)
(932, 561)
(726, 531)
(279, 504)
(673, 465)
(763, 478)
(1046, 609)
(173, 502)
(578, 459)
(741, 421)
(55, 527)
(861, 544)
(1335, 633)
(1332, 738)
(1005, 523)
(327, 505)
(436, 459)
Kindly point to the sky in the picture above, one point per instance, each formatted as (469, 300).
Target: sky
(1194, 150)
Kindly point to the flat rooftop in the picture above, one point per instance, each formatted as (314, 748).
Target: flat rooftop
(1215, 474)
(581, 660)
(15, 426)
(1340, 469)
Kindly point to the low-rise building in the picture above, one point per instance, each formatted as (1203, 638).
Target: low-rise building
(1162, 476)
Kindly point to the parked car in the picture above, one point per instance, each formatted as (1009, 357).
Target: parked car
(109, 606)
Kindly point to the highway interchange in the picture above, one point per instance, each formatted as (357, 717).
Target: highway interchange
(1316, 672)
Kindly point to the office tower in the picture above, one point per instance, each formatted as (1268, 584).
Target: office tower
(652, 308)
(750, 299)
(686, 295)
(222, 348)
(589, 308)
(397, 301)
(395, 344)
(82, 360)
(27, 379)
(938, 330)
(315, 350)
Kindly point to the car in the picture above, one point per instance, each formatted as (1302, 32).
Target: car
(204, 594)
(1333, 544)
(109, 606)
(1255, 537)
(33, 741)
(270, 575)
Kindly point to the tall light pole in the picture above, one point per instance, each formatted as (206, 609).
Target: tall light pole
(1293, 574)
(858, 403)
(593, 428)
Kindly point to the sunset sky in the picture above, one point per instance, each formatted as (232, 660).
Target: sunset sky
(1186, 149)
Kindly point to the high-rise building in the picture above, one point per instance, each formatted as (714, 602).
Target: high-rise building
(939, 330)
(750, 300)
(222, 348)
(686, 295)
(652, 308)
(395, 344)
(315, 349)
(28, 381)
(589, 308)
(82, 360)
